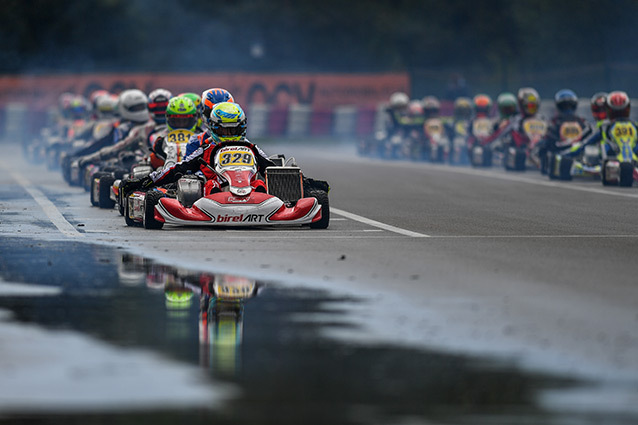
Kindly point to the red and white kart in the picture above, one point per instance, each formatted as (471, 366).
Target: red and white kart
(290, 199)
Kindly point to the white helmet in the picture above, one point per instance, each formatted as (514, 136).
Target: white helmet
(399, 100)
(106, 106)
(133, 106)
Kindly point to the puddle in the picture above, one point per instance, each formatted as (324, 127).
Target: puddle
(261, 346)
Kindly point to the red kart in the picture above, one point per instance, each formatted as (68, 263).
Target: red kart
(290, 199)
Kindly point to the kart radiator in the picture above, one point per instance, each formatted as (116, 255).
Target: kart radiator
(286, 183)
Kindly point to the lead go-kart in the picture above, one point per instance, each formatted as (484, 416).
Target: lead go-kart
(290, 198)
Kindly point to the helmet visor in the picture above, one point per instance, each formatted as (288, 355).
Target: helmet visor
(531, 108)
(156, 107)
(229, 131)
(181, 121)
(137, 107)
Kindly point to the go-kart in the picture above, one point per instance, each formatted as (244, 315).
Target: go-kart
(619, 164)
(523, 150)
(562, 165)
(290, 198)
(481, 152)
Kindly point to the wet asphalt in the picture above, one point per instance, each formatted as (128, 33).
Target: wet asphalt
(507, 261)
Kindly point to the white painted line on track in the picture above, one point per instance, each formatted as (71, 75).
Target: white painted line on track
(534, 236)
(378, 224)
(47, 206)
(521, 179)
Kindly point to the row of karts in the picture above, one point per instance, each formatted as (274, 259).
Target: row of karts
(285, 197)
(432, 143)
(289, 198)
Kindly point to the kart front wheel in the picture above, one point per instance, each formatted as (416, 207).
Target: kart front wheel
(127, 218)
(151, 199)
(105, 192)
(322, 198)
(626, 174)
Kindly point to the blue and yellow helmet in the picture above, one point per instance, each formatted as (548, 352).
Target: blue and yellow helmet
(227, 122)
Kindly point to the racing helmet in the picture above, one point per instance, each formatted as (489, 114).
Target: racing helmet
(415, 109)
(212, 97)
(95, 94)
(528, 101)
(618, 105)
(482, 105)
(506, 104)
(181, 113)
(598, 106)
(399, 100)
(133, 106)
(157, 103)
(227, 122)
(431, 106)
(79, 108)
(106, 106)
(566, 101)
(197, 100)
(462, 108)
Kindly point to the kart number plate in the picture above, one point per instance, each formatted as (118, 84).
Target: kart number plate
(179, 136)
(570, 131)
(534, 128)
(236, 157)
(482, 127)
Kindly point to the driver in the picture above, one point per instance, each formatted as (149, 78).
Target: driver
(210, 98)
(227, 123)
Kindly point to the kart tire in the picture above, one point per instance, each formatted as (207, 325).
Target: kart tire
(487, 156)
(119, 173)
(85, 178)
(322, 198)
(565, 169)
(626, 174)
(506, 159)
(544, 163)
(151, 199)
(105, 192)
(129, 221)
(519, 161)
(95, 197)
(603, 176)
(120, 201)
(551, 166)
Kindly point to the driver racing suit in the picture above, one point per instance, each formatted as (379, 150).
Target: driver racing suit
(200, 160)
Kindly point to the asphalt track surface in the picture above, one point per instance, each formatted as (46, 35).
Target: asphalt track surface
(481, 261)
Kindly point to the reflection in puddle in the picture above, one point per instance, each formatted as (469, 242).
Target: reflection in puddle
(220, 297)
(270, 343)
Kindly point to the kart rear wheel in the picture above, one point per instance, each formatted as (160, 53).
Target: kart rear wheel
(129, 221)
(92, 195)
(603, 176)
(551, 166)
(322, 198)
(519, 161)
(565, 169)
(626, 174)
(93, 191)
(151, 199)
(120, 200)
(105, 192)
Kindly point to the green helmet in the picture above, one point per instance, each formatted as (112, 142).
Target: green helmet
(197, 100)
(507, 104)
(181, 113)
